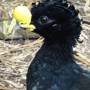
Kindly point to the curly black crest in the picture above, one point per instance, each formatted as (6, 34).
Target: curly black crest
(57, 21)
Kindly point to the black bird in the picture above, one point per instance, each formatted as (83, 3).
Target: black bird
(53, 67)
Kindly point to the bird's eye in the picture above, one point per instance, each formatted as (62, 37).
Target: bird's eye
(43, 19)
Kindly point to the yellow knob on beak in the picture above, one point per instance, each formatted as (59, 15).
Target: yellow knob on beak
(22, 16)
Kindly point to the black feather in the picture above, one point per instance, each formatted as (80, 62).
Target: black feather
(53, 67)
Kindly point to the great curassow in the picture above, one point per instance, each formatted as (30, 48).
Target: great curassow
(53, 67)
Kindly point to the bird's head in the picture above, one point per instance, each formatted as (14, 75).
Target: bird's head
(55, 21)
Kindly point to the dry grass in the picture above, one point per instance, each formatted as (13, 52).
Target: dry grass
(14, 61)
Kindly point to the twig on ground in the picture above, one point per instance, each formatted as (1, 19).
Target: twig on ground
(81, 58)
(21, 47)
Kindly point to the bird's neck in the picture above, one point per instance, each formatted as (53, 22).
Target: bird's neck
(63, 51)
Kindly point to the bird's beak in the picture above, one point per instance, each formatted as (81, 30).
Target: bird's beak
(29, 27)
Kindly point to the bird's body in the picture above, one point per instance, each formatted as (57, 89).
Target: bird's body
(52, 70)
